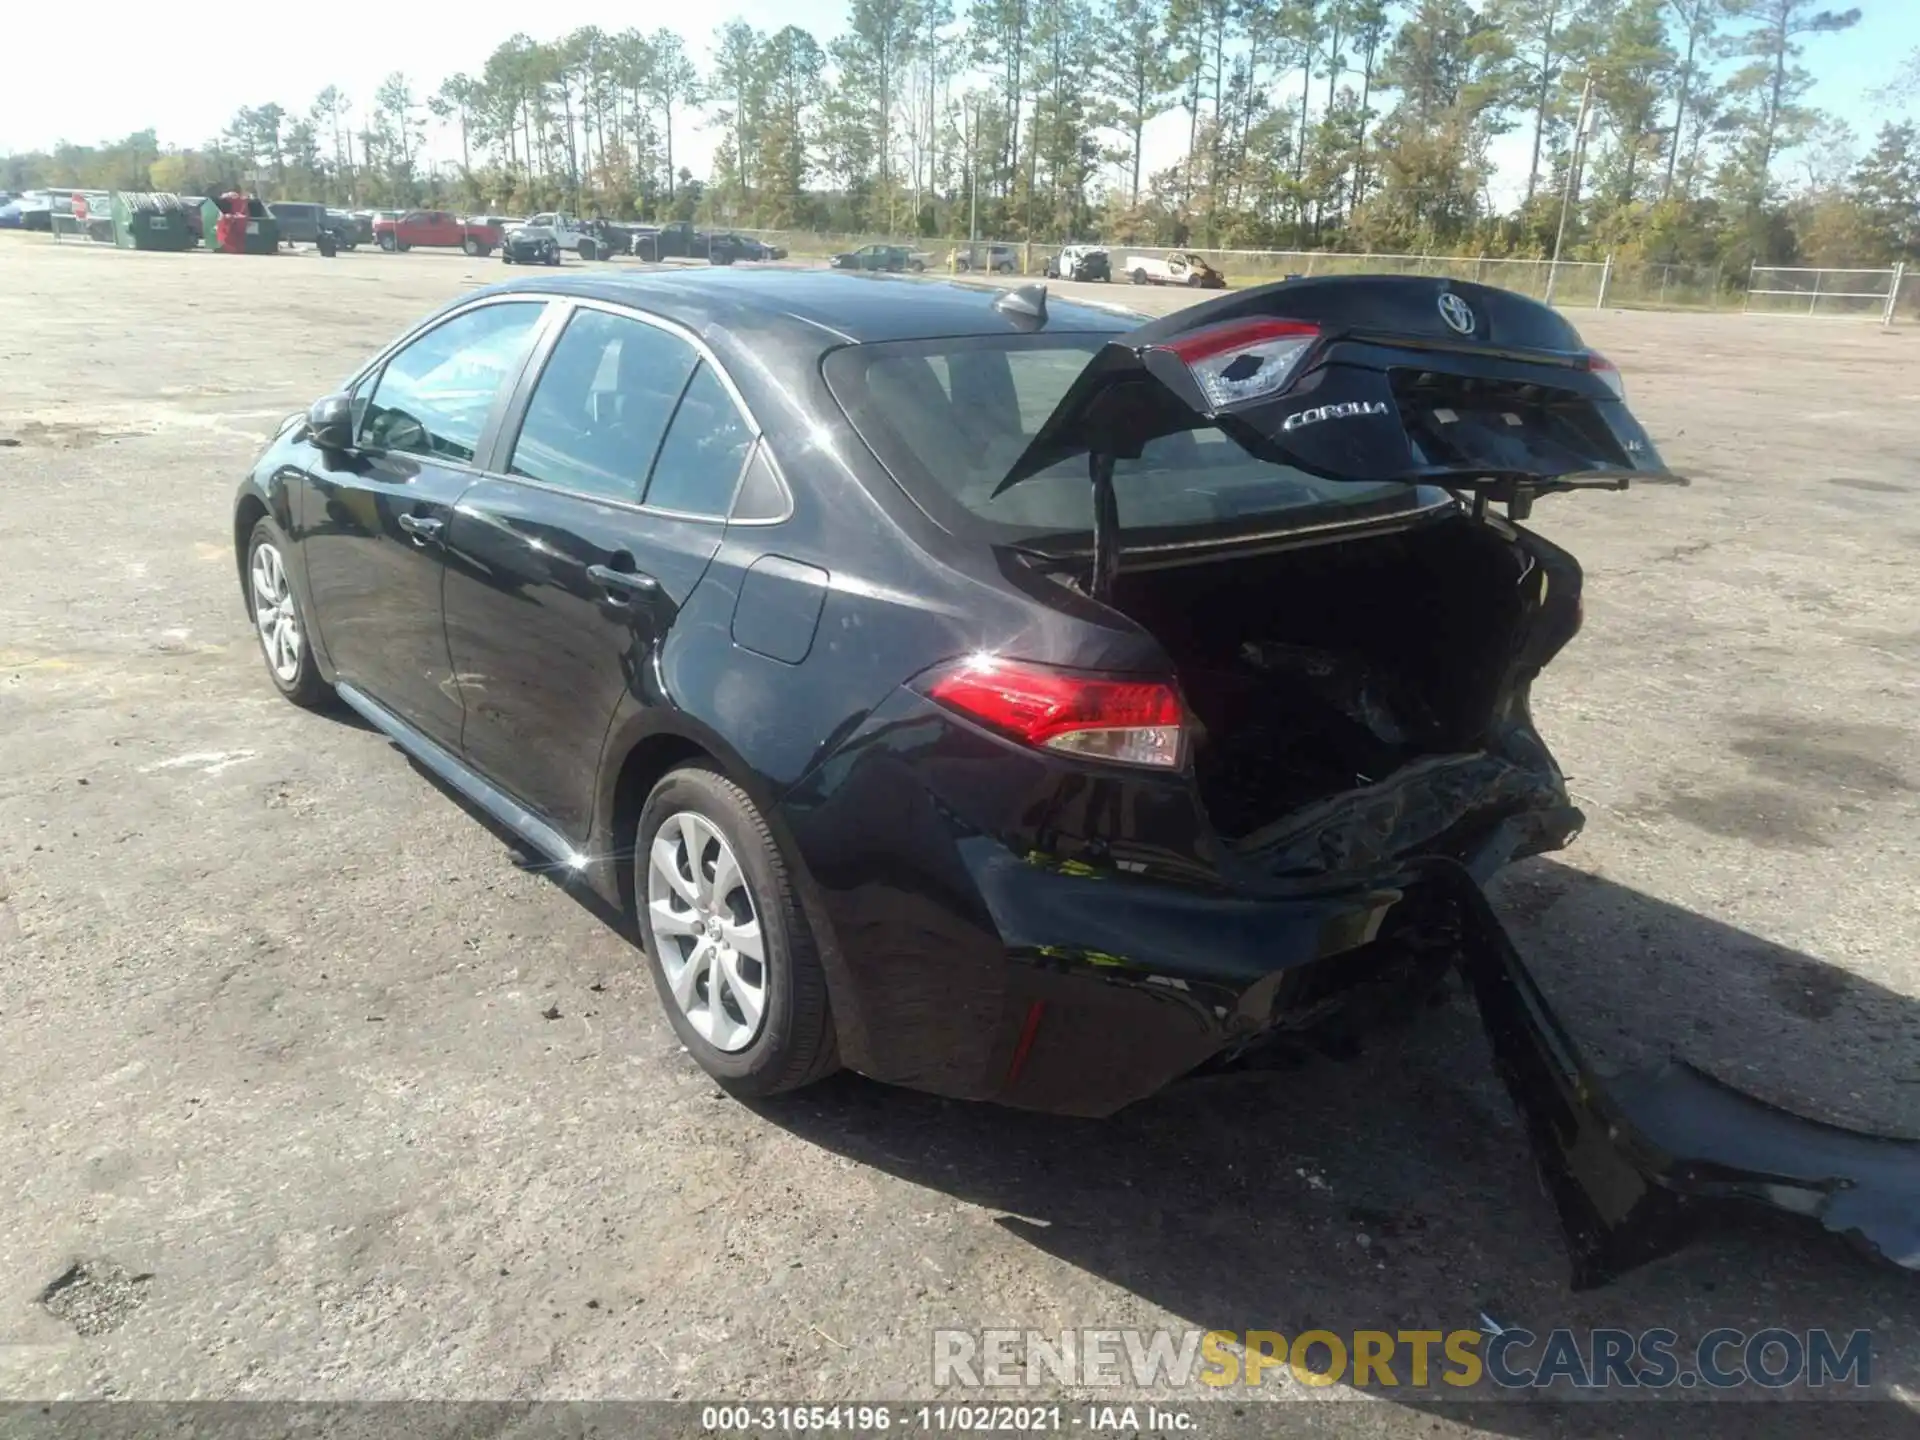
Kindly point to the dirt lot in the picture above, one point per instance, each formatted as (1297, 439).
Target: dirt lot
(336, 1102)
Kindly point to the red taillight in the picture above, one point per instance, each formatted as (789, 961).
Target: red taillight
(1608, 372)
(1243, 360)
(1131, 722)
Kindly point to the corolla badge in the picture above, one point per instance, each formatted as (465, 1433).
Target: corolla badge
(1457, 313)
(1299, 420)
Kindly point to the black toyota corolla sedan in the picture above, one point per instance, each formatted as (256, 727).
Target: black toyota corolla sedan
(992, 694)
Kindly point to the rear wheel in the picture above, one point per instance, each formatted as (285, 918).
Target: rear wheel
(729, 946)
(1139, 277)
(588, 250)
(277, 621)
(389, 244)
(472, 246)
(1196, 280)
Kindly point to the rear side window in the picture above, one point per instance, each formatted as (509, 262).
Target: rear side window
(949, 418)
(699, 465)
(601, 406)
(433, 396)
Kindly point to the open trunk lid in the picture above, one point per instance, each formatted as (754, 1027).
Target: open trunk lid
(1365, 379)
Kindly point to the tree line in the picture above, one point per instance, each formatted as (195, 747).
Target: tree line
(1673, 131)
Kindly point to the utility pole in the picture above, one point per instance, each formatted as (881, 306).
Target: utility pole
(1573, 180)
(973, 174)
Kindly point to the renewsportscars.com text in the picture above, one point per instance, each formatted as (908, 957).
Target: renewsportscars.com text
(1507, 1359)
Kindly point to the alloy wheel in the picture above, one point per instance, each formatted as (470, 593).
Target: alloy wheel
(706, 931)
(275, 615)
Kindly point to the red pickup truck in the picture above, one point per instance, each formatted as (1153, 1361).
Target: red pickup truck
(436, 228)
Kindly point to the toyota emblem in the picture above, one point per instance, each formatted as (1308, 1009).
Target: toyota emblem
(1457, 313)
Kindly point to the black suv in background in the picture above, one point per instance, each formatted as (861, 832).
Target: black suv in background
(301, 223)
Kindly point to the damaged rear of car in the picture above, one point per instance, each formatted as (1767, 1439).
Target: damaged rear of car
(1258, 728)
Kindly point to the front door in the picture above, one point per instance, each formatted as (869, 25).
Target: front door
(374, 519)
(567, 569)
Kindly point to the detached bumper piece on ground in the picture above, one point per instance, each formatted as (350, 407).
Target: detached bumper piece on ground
(1638, 1167)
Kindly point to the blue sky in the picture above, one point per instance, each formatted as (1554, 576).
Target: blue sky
(221, 54)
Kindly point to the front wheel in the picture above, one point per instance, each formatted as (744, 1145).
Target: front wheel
(1139, 277)
(472, 247)
(730, 950)
(389, 244)
(588, 250)
(1196, 281)
(277, 621)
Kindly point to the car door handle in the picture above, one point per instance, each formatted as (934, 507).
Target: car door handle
(425, 529)
(629, 582)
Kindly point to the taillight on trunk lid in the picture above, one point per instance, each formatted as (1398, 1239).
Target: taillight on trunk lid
(1096, 717)
(1244, 360)
(1608, 372)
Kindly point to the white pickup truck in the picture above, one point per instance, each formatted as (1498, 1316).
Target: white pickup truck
(1181, 267)
(571, 235)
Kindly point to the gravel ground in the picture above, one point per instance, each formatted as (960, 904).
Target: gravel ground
(324, 1098)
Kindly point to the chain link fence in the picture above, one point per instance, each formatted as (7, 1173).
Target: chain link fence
(1806, 290)
(1886, 294)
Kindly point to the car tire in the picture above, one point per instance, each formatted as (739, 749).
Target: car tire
(389, 244)
(402, 246)
(1196, 281)
(588, 251)
(1139, 277)
(553, 256)
(286, 640)
(472, 247)
(788, 1041)
(506, 257)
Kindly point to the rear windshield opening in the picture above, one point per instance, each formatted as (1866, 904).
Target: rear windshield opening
(950, 417)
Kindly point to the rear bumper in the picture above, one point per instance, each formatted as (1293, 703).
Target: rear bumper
(962, 968)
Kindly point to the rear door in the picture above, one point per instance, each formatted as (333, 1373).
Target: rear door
(569, 564)
(374, 520)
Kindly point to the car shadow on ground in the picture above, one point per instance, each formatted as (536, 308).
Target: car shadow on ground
(1396, 1191)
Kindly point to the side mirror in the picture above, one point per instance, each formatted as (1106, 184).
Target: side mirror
(330, 423)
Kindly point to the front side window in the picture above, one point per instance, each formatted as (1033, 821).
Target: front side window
(601, 406)
(433, 396)
(699, 464)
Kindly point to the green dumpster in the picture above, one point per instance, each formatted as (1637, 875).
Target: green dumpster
(145, 220)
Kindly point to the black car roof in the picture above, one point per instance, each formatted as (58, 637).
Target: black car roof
(824, 305)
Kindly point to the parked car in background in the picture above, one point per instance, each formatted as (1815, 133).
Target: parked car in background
(873, 257)
(678, 238)
(724, 247)
(302, 222)
(1181, 267)
(356, 228)
(1080, 262)
(436, 229)
(752, 247)
(995, 259)
(29, 210)
(530, 244)
(575, 236)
